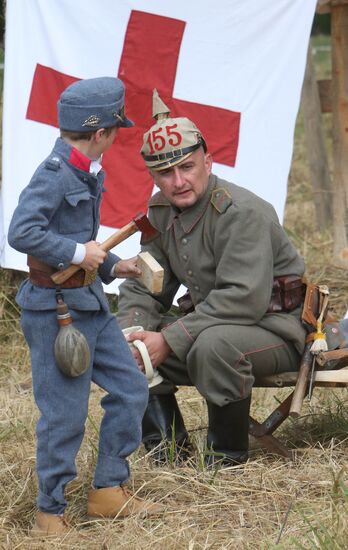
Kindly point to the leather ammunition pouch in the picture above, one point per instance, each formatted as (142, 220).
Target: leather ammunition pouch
(288, 293)
(40, 275)
(185, 303)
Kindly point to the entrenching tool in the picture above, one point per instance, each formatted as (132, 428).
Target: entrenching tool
(314, 313)
(139, 223)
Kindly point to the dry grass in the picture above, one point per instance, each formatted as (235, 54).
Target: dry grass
(270, 503)
(302, 503)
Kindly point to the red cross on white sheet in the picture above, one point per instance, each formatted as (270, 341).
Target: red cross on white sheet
(149, 60)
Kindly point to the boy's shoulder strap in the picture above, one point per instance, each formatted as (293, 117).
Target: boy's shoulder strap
(53, 163)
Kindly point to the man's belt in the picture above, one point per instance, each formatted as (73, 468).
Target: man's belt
(40, 275)
(288, 293)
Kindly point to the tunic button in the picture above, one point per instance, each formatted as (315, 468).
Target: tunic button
(217, 195)
(136, 313)
(190, 272)
(185, 257)
(184, 240)
(196, 287)
(61, 265)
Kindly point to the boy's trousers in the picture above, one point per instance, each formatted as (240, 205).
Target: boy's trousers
(63, 403)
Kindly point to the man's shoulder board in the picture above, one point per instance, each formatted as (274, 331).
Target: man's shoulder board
(221, 199)
(158, 200)
(53, 163)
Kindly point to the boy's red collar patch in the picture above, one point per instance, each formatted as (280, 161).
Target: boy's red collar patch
(79, 160)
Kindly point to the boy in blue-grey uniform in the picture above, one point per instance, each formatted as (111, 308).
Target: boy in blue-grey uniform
(56, 224)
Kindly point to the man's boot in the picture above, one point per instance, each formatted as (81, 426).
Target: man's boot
(228, 433)
(164, 432)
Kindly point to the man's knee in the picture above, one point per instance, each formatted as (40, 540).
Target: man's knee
(214, 342)
(218, 369)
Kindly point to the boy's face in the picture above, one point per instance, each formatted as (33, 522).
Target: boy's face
(106, 140)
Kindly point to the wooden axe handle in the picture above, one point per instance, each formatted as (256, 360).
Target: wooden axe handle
(302, 382)
(116, 238)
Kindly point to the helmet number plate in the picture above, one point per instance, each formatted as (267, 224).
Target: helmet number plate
(164, 136)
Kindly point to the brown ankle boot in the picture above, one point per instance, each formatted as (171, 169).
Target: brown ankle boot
(111, 502)
(50, 525)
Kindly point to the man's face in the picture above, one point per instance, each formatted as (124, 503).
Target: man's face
(185, 183)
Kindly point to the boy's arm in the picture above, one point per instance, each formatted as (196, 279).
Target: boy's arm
(121, 269)
(106, 270)
(30, 228)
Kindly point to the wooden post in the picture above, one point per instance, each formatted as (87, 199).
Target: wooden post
(315, 144)
(339, 44)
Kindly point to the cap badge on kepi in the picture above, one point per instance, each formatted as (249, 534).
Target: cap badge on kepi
(92, 121)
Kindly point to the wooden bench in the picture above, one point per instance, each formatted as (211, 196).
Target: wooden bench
(335, 378)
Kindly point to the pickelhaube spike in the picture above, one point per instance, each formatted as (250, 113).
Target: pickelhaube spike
(159, 108)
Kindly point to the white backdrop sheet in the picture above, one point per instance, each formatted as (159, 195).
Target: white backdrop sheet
(240, 55)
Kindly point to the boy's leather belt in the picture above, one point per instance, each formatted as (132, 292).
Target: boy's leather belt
(40, 275)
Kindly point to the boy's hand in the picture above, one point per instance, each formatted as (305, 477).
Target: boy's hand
(127, 268)
(95, 256)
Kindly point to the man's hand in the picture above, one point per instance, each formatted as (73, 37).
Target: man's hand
(95, 256)
(127, 268)
(156, 346)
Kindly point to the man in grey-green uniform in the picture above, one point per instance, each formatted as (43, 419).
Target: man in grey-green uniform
(227, 247)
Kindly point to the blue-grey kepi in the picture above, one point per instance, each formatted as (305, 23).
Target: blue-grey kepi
(93, 103)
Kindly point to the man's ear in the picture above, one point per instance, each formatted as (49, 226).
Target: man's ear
(208, 161)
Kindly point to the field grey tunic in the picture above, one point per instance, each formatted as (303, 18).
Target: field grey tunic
(226, 250)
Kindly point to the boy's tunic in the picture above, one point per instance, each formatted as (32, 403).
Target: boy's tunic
(59, 208)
